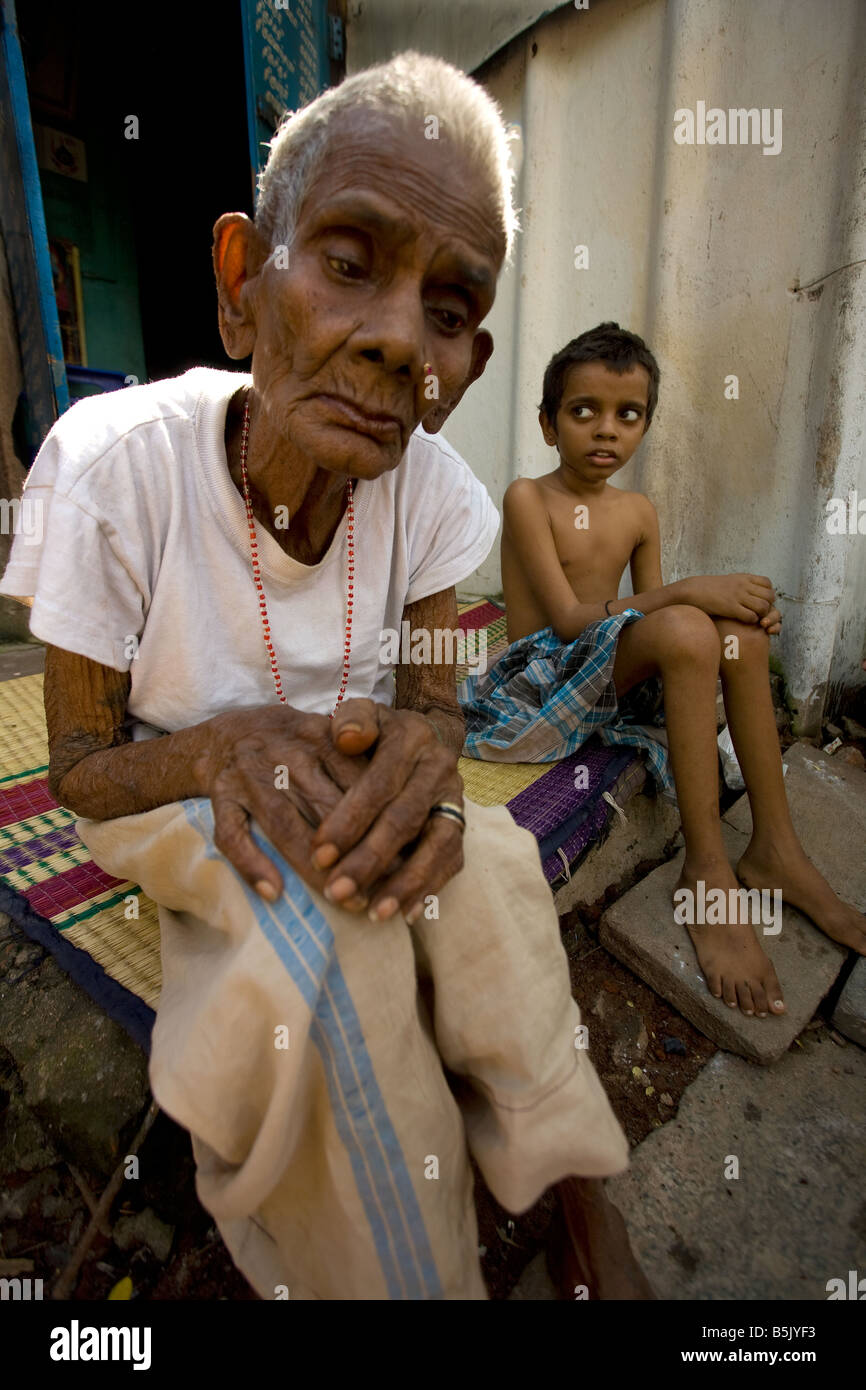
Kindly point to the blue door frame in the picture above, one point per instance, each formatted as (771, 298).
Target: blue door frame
(23, 221)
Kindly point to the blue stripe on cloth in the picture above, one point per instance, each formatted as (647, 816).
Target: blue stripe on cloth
(543, 698)
(304, 942)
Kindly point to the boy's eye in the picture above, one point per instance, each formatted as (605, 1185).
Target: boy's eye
(630, 414)
(579, 408)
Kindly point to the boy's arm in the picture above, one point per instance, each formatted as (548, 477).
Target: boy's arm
(646, 558)
(747, 597)
(528, 529)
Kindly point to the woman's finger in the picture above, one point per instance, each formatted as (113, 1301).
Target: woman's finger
(407, 755)
(371, 796)
(398, 824)
(355, 726)
(285, 827)
(312, 788)
(233, 839)
(437, 858)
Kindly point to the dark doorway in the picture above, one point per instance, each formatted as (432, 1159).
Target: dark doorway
(178, 68)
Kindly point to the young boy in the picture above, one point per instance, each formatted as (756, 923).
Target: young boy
(576, 649)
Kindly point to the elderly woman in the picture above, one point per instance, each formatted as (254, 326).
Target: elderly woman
(222, 555)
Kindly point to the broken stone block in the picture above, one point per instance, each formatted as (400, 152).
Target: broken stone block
(640, 931)
(849, 1016)
(827, 798)
(788, 1215)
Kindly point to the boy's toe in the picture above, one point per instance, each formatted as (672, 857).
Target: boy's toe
(774, 991)
(759, 998)
(744, 997)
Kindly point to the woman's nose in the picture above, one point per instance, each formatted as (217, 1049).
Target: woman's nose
(394, 333)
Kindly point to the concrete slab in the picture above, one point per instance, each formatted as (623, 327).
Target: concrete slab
(849, 1016)
(640, 931)
(828, 807)
(20, 659)
(793, 1219)
(646, 835)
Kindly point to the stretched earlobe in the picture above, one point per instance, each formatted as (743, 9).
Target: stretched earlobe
(482, 350)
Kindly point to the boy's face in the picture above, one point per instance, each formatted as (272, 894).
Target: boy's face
(601, 419)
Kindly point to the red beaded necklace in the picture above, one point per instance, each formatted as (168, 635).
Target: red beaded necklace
(257, 574)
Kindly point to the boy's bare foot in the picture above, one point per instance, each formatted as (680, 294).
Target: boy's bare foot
(788, 868)
(733, 964)
(589, 1246)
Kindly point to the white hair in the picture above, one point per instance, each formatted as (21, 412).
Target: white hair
(409, 86)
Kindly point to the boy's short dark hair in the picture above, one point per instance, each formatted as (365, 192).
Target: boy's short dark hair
(608, 343)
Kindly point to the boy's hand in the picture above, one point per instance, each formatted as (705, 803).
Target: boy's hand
(772, 623)
(747, 597)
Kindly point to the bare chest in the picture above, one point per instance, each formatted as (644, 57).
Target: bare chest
(594, 543)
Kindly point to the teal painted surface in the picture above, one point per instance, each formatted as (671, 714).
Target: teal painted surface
(285, 63)
(95, 216)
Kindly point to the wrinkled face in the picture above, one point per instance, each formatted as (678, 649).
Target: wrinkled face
(601, 418)
(393, 268)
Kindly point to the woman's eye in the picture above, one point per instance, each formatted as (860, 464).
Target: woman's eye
(450, 319)
(342, 266)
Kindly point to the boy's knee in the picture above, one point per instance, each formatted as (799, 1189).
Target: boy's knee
(743, 642)
(685, 631)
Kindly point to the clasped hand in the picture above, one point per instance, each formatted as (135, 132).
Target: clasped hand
(749, 598)
(346, 801)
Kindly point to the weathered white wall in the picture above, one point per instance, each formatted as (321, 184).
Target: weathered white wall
(465, 32)
(700, 250)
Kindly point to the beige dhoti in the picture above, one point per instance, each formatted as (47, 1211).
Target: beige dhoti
(303, 1048)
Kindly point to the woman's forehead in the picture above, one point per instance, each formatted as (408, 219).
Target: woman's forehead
(386, 174)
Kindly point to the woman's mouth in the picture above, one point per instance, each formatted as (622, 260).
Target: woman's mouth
(351, 416)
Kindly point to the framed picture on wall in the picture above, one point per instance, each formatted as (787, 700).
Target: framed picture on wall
(66, 273)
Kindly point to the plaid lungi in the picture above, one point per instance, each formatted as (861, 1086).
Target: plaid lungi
(544, 698)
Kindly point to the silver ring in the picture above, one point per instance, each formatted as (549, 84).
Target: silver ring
(450, 811)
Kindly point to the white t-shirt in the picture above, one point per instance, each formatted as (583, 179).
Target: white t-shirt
(145, 537)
